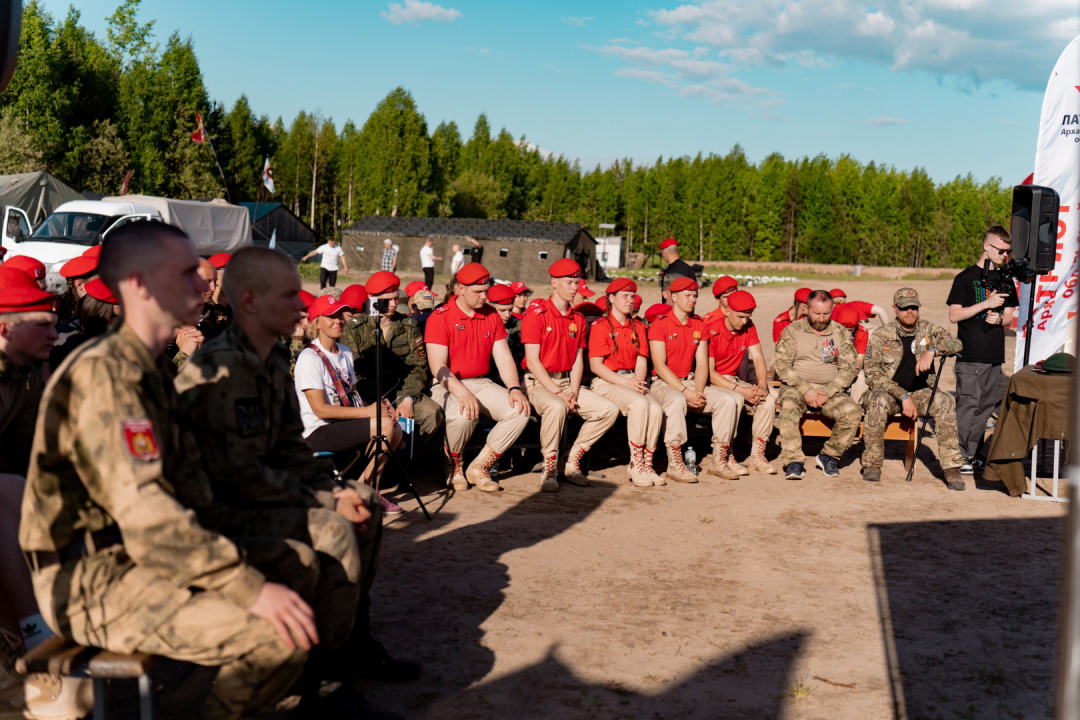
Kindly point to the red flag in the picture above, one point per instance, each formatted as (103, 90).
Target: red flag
(127, 179)
(200, 131)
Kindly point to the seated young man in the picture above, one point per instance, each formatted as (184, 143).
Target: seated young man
(866, 310)
(792, 314)
(721, 289)
(851, 319)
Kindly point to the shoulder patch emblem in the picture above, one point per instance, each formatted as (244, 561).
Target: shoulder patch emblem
(249, 417)
(140, 440)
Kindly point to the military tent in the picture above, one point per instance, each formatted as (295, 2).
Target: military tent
(37, 194)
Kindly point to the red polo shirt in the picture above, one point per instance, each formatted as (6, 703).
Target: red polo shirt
(866, 310)
(862, 337)
(715, 316)
(469, 339)
(727, 349)
(618, 353)
(559, 335)
(782, 321)
(681, 341)
(519, 316)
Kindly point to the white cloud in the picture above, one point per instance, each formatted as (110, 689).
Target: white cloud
(974, 40)
(418, 11)
(577, 21)
(882, 121)
(646, 76)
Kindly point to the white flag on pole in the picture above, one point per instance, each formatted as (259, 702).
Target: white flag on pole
(268, 177)
(273, 239)
(1057, 165)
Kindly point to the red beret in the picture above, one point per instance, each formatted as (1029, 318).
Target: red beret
(474, 274)
(741, 301)
(30, 266)
(564, 268)
(79, 266)
(802, 295)
(414, 287)
(620, 285)
(98, 290)
(637, 302)
(837, 292)
(326, 305)
(501, 294)
(722, 285)
(584, 290)
(847, 316)
(655, 312)
(670, 242)
(307, 298)
(220, 260)
(382, 282)
(519, 287)
(354, 296)
(588, 309)
(20, 293)
(601, 302)
(94, 252)
(682, 283)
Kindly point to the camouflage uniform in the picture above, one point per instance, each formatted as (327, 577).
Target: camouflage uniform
(404, 361)
(118, 559)
(882, 400)
(839, 407)
(20, 393)
(517, 349)
(245, 416)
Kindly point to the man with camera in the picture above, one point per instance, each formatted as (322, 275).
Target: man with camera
(981, 303)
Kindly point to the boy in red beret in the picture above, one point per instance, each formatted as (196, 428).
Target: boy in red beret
(866, 310)
(793, 313)
(504, 300)
(721, 289)
(521, 298)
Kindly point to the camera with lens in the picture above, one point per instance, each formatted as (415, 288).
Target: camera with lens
(1017, 269)
(380, 306)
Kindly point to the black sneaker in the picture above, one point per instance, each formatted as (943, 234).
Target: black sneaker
(966, 468)
(794, 471)
(827, 465)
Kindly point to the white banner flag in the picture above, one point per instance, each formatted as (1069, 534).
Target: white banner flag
(1057, 165)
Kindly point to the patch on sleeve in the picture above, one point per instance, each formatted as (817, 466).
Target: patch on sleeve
(141, 443)
(249, 417)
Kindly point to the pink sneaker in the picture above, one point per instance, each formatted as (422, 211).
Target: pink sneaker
(389, 508)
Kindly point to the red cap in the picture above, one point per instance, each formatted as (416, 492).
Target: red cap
(326, 305)
(94, 252)
(657, 311)
(584, 290)
(802, 295)
(601, 302)
(501, 295)
(588, 309)
(30, 266)
(414, 287)
(519, 287)
(670, 242)
(98, 290)
(354, 296)
(682, 283)
(837, 292)
(564, 268)
(637, 302)
(79, 266)
(307, 298)
(619, 285)
(220, 260)
(20, 293)
(741, 301)
(382, 282)
(474, 274)
(722, 285)
(847, 316)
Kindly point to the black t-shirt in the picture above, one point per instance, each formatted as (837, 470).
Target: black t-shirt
(678, 268)
(905, 375)
(982, 343)
(477, 254)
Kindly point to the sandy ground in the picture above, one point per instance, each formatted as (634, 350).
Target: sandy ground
(757, 598)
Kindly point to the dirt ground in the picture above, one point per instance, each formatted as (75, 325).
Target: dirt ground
(759, 598)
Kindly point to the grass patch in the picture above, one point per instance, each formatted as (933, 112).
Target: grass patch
(704, 519)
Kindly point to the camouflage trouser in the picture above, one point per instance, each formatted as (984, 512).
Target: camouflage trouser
(880, 405)
(428, 417)
(840, 408)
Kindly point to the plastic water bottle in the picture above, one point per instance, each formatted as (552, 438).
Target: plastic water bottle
(690, 458)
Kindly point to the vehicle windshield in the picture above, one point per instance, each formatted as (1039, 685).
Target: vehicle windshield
(73, 227)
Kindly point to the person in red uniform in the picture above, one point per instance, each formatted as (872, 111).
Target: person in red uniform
(655, 312)
(554, 337)
(733, 347)
(866, 310)
(679, 346)
(721, 289)
(521, 299)
(851, 319)
(619, 358)
(637, 306)
(462, 338)
(32, 267)
(793, 313)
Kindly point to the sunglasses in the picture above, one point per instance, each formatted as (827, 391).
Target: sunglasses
(908, 308)
(1005, 251)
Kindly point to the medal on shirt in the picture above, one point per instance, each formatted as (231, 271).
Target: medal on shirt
(918, 348)
(573, 330)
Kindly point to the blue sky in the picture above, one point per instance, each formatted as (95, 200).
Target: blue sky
(953, 86)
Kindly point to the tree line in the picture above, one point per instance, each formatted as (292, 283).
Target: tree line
(89, 110)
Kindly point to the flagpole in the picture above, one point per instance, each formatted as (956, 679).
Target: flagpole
(255, 215)
(210, 142)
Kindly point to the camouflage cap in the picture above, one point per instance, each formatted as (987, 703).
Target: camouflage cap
(906, 297)
(424, 300)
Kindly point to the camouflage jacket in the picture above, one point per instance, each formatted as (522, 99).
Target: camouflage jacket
(246, 419)
(517, 349)
(404, 357)
(845, 358)
(20, 393)
(214, 320)
(111, 449)
(884, 352)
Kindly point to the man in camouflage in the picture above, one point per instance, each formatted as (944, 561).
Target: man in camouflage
(900, 376)
(501, 297)
(212, 321)
(815, 361)
(404, 357)
(118, 558)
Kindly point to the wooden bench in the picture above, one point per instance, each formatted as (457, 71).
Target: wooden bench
(899, 427)
(61, 658)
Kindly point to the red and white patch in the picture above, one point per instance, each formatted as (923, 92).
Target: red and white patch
(141, 443)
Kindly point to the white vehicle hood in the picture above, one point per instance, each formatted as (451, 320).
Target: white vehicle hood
(48, 252)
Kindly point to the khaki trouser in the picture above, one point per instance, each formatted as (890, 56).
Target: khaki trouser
(643, 413)
(598, 412)
(763, 413)
(722, 404)
(858, 388)
(494, 403)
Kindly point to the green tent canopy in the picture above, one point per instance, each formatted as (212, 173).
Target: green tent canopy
(37, 194)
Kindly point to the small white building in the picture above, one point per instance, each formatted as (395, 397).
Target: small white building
(611, 252)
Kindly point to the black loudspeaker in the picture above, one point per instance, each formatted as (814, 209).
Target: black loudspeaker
(10, 29)
(1035, 226)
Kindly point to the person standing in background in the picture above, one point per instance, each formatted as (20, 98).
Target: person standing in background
(477, 254)
(457, 261)
(427, 262)
(328, 266)
(389, 256)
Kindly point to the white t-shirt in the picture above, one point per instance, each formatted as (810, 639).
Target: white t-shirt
(330, 256)
(311, 374)
(457, 262)
(427, 257)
